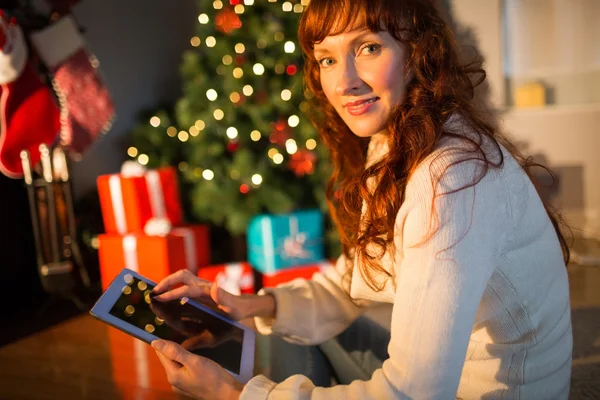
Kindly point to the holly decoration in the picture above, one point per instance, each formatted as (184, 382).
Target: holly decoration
(303, 162)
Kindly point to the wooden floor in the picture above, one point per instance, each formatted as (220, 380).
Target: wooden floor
(85, 359)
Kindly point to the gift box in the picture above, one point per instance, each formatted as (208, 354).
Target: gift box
(277, 242)
(129, 200)
(154, 257)
(236, 278)
(289, 274)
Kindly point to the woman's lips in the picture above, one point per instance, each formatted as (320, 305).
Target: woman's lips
(360, 108)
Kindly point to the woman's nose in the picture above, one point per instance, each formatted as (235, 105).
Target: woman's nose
(348, 80)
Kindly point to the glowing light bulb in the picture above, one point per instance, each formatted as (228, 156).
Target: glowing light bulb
(132, 152)
(143, 159)
(287, 6)
(227, 59)
(210, 41)
(286, 95)
(311, 144)
(195, 41)
(278, 158)
(155, 122)
(208, 174)
(183, 136)
(257, 179)
(290, 146)
(247, 90)
(289, 47)
(218, 114)
(238, 73)
(293, 121)
(258, 69)
(171, 131)
(255, 136)
(203, 18)
(200, 125)
(212, 94)
(232, 132)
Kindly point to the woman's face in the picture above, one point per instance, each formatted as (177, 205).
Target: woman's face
(363, 76)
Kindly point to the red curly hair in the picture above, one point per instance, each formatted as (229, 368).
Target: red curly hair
(442, 86)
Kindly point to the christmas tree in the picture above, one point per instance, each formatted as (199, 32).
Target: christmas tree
(239, 134)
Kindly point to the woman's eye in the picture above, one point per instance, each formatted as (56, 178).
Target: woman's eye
(371, 48)
(326, 62)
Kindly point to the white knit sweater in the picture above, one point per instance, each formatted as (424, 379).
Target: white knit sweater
(480, 310)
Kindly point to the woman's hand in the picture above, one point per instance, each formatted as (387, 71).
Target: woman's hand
(195, 376)
(201, 291)
(210, 294)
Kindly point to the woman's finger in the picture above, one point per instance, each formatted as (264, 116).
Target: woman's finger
(171, 367)
(183, 276)
(221, 296)
(191, 291)
(173, 352)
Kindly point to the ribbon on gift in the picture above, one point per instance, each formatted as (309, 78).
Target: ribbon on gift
(234, 278)
(130, 252)
(155, 193)
(294, 245)
(190, 247)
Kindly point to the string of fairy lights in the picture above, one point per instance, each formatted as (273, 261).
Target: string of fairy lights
(232, 133)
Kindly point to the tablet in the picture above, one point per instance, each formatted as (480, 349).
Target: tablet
(127, 305)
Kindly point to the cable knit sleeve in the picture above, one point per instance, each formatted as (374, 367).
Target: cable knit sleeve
(439, 285)
(311, 311)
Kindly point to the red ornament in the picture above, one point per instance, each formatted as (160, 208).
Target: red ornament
(235, 2)
(262, 97)
(244, 188)
(280, 133)
(239, 60)
(227, 21)
(233, 146)
(291, 69)
(302, 162)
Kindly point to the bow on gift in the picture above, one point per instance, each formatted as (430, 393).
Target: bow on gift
(234, 278)
(161, 227)
(294, 244)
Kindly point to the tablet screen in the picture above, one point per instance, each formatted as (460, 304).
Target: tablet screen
(196, 330)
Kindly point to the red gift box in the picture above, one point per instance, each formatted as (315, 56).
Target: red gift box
(154, 257)
(128, 202)
(289, 274)
(235, 278)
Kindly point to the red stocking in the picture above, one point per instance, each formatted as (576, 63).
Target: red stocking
(86, 107)
(29, 115)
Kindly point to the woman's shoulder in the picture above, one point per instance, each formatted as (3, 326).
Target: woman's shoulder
(461, 158)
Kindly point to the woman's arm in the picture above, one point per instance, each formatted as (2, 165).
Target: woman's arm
(308, 311)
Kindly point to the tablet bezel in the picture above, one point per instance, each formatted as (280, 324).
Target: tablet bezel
(101, 311)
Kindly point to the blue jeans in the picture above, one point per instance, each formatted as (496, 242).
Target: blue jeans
(354, 354)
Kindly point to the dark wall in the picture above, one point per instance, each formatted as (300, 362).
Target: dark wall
(139, 44)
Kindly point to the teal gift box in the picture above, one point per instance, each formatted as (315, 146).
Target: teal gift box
(276, 242)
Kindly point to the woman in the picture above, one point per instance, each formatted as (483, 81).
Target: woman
(437, 215)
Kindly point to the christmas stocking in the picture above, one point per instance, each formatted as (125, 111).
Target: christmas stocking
(86, 109)
(29, 115)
